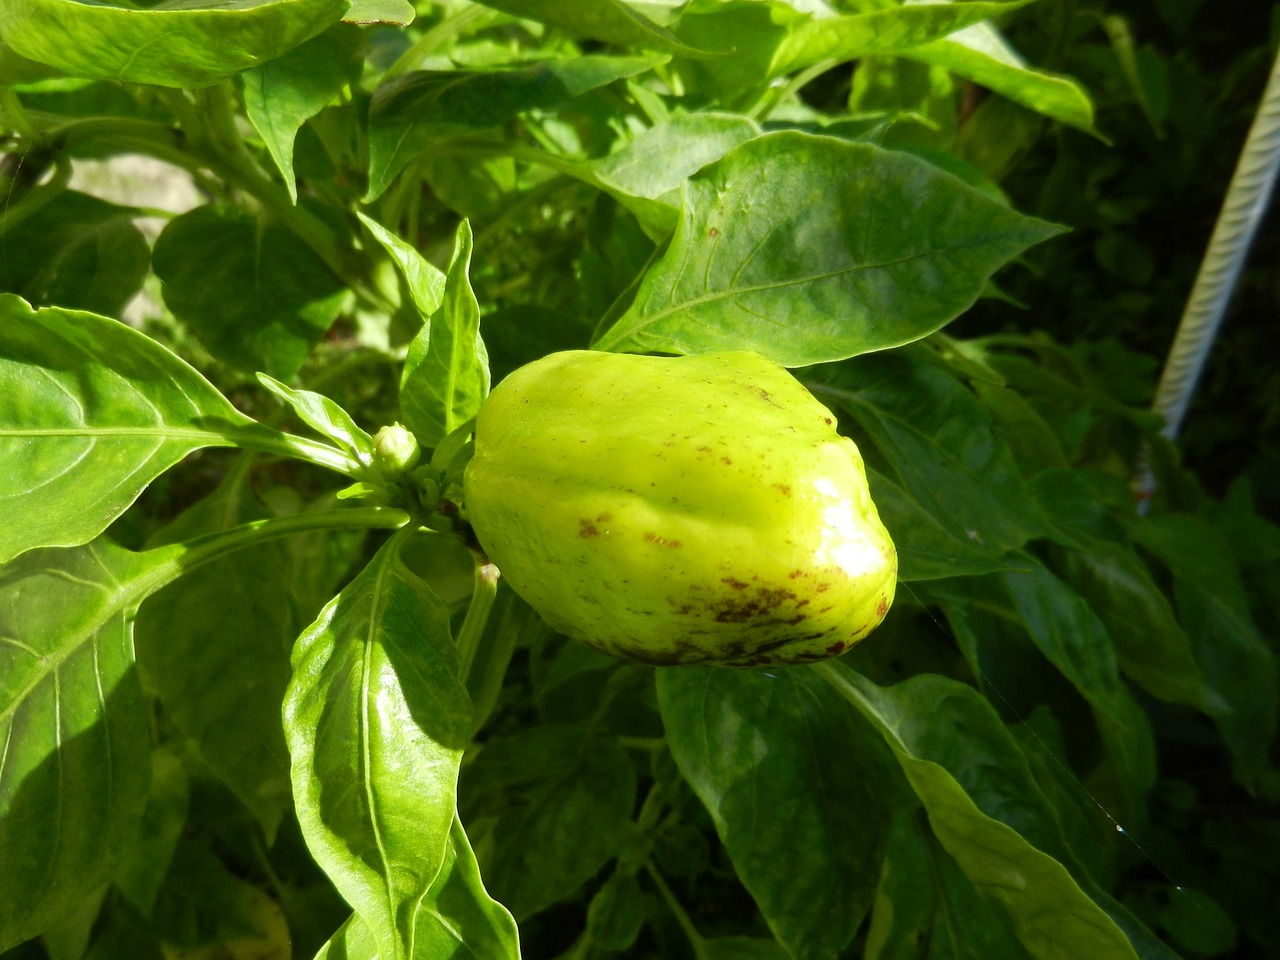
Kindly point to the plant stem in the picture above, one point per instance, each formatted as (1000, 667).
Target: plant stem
(268, 440)
(194, 554)
(482, 597)
(37, 197)
(677, 910)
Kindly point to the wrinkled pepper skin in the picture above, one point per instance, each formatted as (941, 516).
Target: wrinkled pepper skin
(679, 509)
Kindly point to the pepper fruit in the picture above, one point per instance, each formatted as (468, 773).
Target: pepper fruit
(679, 509)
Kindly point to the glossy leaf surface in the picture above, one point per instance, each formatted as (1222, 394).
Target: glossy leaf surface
(93, 412)
(76, 761)
(756, 747)
(446, 374)
(192, 44)
(376, 718)
(903, 248)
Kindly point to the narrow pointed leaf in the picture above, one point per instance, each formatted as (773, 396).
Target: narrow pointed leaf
(282, 94)
(446, 374)
(981, 54)
(326, 418)
(425, 281)
(901, 249)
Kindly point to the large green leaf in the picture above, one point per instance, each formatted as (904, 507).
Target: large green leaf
(93, 411)
(926, 549)
(76, 251)
(571, 817)
(465, 923)
(950, 458)
(256, 295)
(446, 374)
(215, 650)
(980, 53)
(281, 95)
(76, 764)
(181, 43)
(428, 107)
(879, 31)
(945, 919)
(987, 813)
(1238, 667)
(1071, 636)
(900, 249)
(376, 719)
(798, 789)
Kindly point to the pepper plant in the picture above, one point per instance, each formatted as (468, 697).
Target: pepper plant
(263, 693)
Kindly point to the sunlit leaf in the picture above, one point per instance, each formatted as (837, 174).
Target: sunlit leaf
(900, 250)
(189, 44)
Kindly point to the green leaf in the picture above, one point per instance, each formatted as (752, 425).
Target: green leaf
(941, 442)
(645, 176)
(397, 12)
(981, 54)
(446, 374)
(786, 771)
(891, 30)
(73, 721)
(142, 870)
(215, 650)
(190, 44)
(610, 21)
(281, 95)
(1071, 636)
(326, 418)
(926, 549)
(1053, 917)
(428, 107)
(947, 917)
(1152, 648)
(616, 914)
(93, 412)
(426, 282)
(461, 920)
(746, 34)
(566, 825)
(76, 251)
(1238, 667)
(376, 718)
(255, 295)
(901, 249)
